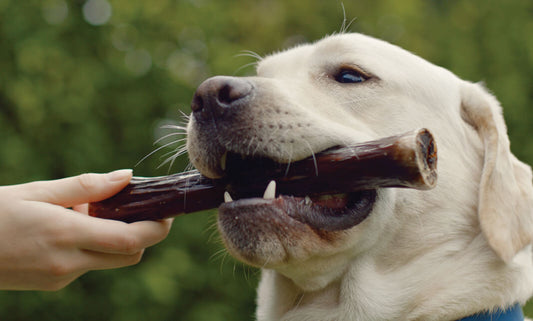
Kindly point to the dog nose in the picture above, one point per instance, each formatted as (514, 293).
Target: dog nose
(217, 95)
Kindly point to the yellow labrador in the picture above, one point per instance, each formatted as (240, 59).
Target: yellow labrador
(444, 254)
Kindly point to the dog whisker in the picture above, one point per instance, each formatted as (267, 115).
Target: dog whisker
(265, 264)
(249, 272)
(179, 150)
(313, 155)
(189, 167)
(299, 299)
(170, 135)
(185, 117)
(177, 130)
(250, 53)
(177, 153)
(156, 150)
(250, 143)
(177, 127)
(212, 229)
(222, 254)
(289, 162)
(172, 152)
(345, 26)
(244, 67)
(346, 143)
(219, 255)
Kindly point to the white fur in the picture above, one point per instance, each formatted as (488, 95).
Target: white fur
(442, 254)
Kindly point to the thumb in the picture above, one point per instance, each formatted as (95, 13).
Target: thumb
(79, 189)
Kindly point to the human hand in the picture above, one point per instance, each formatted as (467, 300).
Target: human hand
(44, 245)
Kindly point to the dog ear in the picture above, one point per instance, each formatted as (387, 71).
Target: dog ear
(505, 208)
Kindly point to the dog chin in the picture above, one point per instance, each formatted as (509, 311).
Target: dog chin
(274, 231)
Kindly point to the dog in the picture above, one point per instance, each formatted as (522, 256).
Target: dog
(460, 249)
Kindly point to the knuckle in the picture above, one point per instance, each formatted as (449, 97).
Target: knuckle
(88, 182)
(130, 245)
(59, 269)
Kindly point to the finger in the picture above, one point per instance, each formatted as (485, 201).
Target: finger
(79, 189)
(82, 208)
(114, 237)
(75, 263)
(72, 229)
(103, 261)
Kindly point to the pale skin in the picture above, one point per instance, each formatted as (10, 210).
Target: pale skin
(47, 240)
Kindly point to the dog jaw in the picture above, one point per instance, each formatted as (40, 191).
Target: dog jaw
(287, 229)
(310, 258)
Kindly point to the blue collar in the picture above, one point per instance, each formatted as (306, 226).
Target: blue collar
(514, 313)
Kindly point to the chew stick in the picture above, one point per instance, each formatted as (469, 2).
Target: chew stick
(408, 160)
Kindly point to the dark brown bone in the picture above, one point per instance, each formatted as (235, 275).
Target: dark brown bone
(408, 160)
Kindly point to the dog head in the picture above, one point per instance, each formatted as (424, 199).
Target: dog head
(346, 89)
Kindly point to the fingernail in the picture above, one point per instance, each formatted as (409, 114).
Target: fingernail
(120, 175)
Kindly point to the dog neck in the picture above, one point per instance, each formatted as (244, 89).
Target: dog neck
(514, 313)
(368, 292)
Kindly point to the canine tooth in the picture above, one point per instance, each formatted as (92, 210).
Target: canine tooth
(307, 200)
(223, 160)
(270, 191)
(227, 197)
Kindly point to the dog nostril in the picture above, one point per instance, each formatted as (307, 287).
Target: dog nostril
(226, 95)
(215, 95)
(233, 91)
(197, 103)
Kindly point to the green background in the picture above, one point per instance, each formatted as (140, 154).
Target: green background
(85, 86)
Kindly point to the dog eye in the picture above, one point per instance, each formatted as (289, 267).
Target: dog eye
(350, 76)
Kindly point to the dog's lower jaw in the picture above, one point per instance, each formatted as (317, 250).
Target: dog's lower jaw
(298, 266)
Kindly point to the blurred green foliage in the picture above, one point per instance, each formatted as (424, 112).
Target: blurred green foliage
(86, 85)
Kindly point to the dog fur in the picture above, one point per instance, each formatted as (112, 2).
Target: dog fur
(458, 249)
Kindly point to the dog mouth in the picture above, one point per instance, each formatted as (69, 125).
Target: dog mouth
(325, 212)
(259, 197)
(332, 190)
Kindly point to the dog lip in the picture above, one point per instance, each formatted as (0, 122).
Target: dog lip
(360, 204)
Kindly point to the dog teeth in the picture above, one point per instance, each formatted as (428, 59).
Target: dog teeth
(223, 160)
(307, 200)
(227, 197)
(270, 191)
